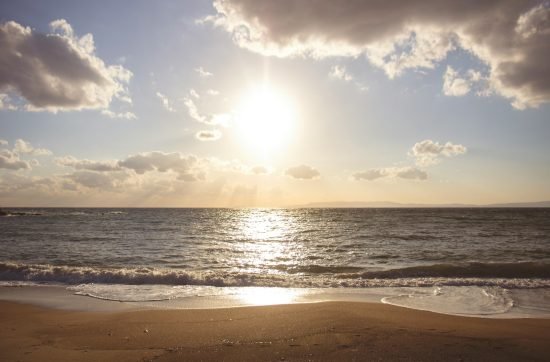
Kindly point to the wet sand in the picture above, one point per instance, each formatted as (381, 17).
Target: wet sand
(329, 331)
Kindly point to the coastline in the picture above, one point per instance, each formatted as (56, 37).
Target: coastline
(304, 331)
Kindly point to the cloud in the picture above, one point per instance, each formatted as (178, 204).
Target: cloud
(511, 37)
(458, 85)
(24, 147)
(203, 73)
(3, 143)
(454, 85)
(98, 180)
(58, 71)
(193, 110)
(193, 93)
(10, 161)
(428, 152)
(205, 135)
(187, 168)
(259, 170)
(124, 115)
(165, 102)
(302, 172)
(212, 92)
(410, 173)
(220, 119)
(6, 103)
(340, 72)
(100, 166)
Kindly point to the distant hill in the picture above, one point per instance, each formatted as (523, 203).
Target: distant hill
(388, 204)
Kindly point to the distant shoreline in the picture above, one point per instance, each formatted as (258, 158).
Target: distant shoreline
(351, 205)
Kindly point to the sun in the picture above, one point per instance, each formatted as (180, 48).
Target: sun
(265, 118)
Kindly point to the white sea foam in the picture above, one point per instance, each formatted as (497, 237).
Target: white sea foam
(471, 300)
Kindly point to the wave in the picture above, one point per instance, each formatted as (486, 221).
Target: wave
(467, 270)
(536, 277)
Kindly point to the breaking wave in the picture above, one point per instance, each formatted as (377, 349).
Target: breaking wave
(527, 275)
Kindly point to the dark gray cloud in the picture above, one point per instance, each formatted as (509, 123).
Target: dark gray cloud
(57, 71)
(512, 37)
(303, 172)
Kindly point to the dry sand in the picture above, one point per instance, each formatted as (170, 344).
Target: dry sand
(330, 331)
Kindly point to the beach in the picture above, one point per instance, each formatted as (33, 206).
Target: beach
(328, 331)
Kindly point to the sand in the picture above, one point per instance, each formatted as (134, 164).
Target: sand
(329, 331)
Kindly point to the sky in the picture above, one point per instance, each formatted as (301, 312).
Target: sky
(256, 103)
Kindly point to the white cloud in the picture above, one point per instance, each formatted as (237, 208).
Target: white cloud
(4, 143)
(6, 103)
(428, 152)
(203, 73)
(165, 102)
(458, 85)
(123, 115)
(24, 147)
(453, 85)
(58, 71)
(10, 160)
(220, 119)
(193, 110)
(410, 173)
(205, 135)
(303, 172)
(193, 93)
(340, 72)
(511, 37)
(212, 92)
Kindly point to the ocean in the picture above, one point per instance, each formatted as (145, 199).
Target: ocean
(475, 261)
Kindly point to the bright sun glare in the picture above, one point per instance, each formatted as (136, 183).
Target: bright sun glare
(265, 118)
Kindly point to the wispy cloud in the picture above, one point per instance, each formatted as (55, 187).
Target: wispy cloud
(203, 72)
(165, 102)
(340, 72)
(123, 115)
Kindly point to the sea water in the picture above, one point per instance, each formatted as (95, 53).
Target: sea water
(469, 261)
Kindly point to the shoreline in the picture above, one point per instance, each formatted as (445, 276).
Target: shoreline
(305, 331)
(527, 304)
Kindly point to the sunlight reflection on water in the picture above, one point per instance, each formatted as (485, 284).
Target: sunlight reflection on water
(266, 239)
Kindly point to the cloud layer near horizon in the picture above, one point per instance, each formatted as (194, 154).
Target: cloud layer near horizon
(397, 35)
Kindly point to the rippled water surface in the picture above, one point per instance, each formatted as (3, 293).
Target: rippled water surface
(278, 247)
